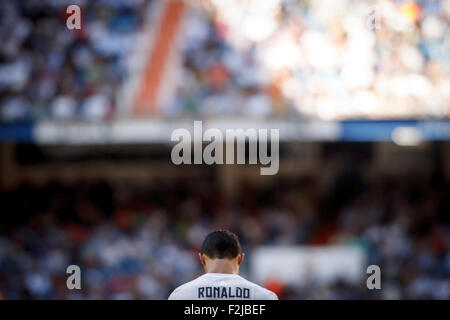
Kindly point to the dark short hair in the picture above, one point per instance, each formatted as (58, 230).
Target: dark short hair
(221, 244)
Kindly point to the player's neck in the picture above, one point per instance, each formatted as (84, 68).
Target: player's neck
(222, 266)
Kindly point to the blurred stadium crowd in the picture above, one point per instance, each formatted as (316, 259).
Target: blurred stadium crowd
(141, 242)
(48, 71)
(320, 59)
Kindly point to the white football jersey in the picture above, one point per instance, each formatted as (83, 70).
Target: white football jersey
(221, 286)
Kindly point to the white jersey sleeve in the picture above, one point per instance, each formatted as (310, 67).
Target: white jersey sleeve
(220, 286)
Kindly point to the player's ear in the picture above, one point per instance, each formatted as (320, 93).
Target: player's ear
(241, 258)
(202, 258)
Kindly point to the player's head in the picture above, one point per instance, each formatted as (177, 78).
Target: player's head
(221, 252)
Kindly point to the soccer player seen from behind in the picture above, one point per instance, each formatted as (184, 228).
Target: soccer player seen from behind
(221, 256)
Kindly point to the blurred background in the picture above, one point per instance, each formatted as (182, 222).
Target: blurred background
(360, 91)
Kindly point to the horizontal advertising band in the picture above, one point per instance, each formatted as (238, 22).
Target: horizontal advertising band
(159, 131)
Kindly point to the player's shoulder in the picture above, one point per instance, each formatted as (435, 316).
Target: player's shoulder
(261, 293)
(180, 289)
